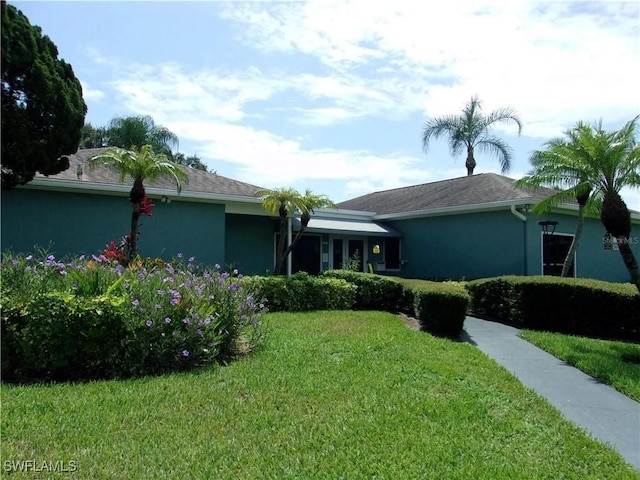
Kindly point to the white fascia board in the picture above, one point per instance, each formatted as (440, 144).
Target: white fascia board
(115, 189)
(456, 210)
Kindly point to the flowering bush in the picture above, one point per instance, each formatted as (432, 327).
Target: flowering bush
(89, 318)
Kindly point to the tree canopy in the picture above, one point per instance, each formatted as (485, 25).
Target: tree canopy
(470, 130)
(42, 106)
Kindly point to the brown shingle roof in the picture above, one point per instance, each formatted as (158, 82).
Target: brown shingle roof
(199, 181)
(464, 191)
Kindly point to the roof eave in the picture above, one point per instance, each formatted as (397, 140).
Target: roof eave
(111, 189)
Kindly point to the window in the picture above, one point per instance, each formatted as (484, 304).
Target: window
(554, 251)
(392, 253)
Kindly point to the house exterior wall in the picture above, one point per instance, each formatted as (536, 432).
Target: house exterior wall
(250, 243)
(496, 243)
(75, 224)
(462, 246)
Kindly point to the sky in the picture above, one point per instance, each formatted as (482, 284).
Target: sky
(333, 96)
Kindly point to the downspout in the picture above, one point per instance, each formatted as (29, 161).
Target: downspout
(524, 237)
(289, 239)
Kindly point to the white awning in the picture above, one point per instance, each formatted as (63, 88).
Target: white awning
(346, 227)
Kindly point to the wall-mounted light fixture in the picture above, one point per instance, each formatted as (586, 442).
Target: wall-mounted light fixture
(548, 226)
(376, 249)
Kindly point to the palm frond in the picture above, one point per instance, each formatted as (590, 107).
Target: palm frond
(495, 146)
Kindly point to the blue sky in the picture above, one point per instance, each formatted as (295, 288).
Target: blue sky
(333, 95)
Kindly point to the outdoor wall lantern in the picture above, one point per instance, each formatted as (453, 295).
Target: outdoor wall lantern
(376, 249)
(548, 226)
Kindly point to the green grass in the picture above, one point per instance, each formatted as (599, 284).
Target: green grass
(331, 395)
(601, 359)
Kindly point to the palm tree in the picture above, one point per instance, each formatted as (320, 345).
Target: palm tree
(136, 131)
(141, 164)
(471, 129)
(285, 202)
(563, 165)
(593, 165)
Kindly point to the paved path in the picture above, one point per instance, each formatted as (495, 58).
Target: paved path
(602, 411)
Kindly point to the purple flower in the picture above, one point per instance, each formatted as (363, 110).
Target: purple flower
(160, 292)
(179, 255)
(167, 320)
(14, 262)
(29, 257)
(235, 271)
(217, 266)
(186, 321)
(135, 303)
(81, 258)
(148, 323)
(233, 287)
(240, 275)
(126, 285)
(174, 301)
(185, 353)
(199, 332)
(191, 259)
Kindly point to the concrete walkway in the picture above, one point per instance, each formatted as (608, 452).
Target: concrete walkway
(603, 412)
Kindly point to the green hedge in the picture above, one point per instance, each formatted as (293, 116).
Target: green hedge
(566, 305)
(60, 336)
(302, 292)
(441, 308)
(375, 292)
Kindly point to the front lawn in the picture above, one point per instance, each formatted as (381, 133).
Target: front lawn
(614, 363)
(330, 395)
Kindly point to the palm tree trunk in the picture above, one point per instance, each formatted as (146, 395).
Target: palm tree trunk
(568, 261)
(629, 260)
(133, 234)
(280, 256)
(471, 161)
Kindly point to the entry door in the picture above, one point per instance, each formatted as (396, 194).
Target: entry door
(354, 246)
(343, 249)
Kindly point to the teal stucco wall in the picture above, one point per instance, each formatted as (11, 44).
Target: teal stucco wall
(75, 224)
(497, 243)
(250, 243)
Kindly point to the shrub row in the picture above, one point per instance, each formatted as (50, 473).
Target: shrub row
(440, 307)
(303, 292)
(88, 319)
(374, 292)
(566, 305)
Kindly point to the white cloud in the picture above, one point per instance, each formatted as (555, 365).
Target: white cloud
(553, 62)
(90, 94)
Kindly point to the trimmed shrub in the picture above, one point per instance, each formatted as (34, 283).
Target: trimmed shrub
(97, 319)
(375, 292)
(566, 305)
(441, 308)
(303, 292)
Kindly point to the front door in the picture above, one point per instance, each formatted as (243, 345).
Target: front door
(344, 250)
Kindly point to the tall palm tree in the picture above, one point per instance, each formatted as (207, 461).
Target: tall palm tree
(593, 165)
(285, 202)
(136, 131)
(564, 165)
(471, 130)
(140, 164)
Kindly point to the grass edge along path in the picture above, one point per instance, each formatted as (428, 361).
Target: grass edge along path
(330, 395)
(603, 360)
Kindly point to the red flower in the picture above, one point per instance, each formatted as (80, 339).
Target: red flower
(146, 207)
(113, 252)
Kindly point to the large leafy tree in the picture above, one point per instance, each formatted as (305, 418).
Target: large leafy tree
(592, 165)
(93, 137)
(286, 202)
(471, 130)
(139, 130)
(139, 164)
(42, 107)
(191, 161)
